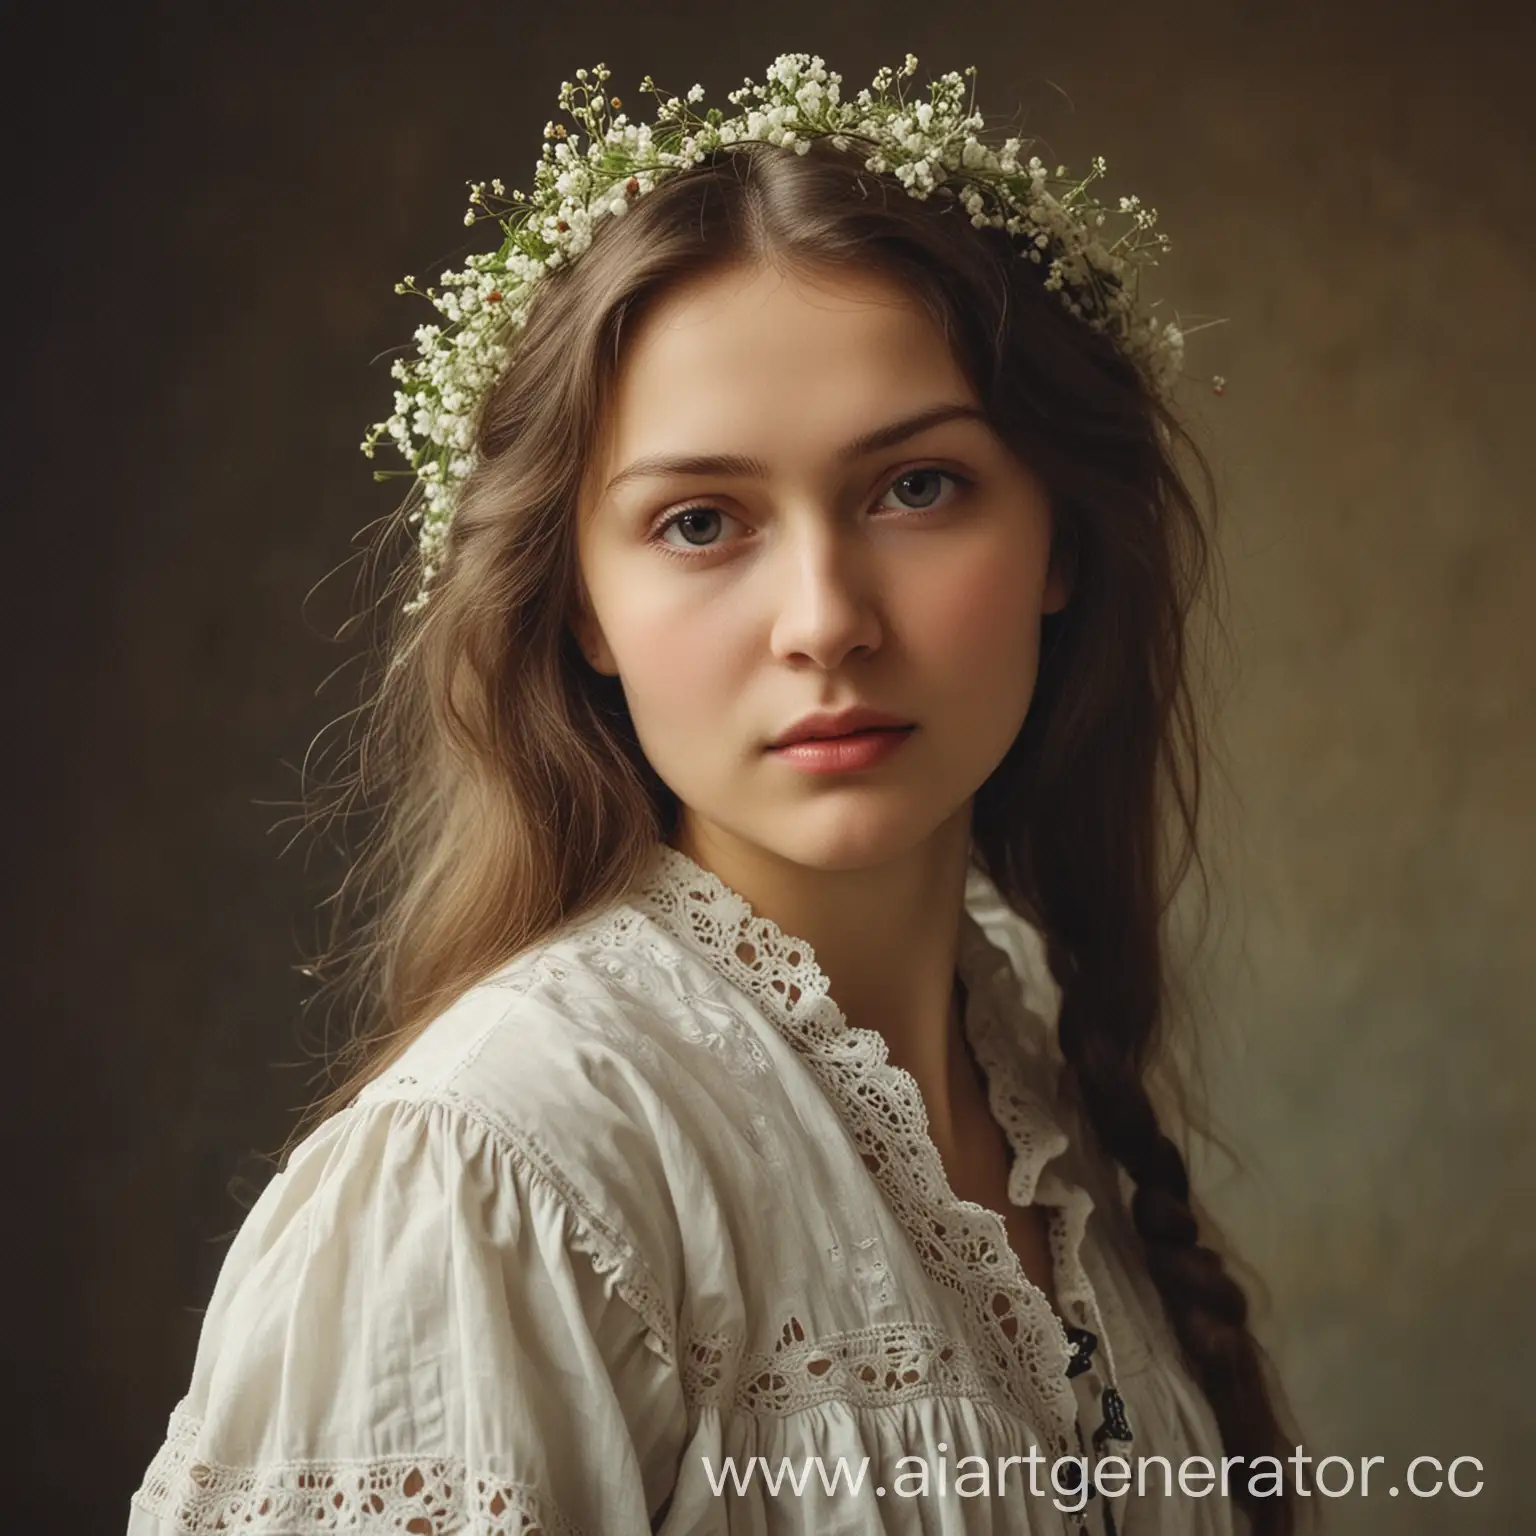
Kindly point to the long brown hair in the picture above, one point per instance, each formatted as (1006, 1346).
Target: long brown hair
(508, 792)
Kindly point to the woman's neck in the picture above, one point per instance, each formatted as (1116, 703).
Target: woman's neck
(886, 937)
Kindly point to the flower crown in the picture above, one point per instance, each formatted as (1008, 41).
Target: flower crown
(924, 144)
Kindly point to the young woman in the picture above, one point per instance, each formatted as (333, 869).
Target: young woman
(783, 788)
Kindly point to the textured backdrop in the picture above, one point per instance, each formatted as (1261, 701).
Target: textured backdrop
(210, 206)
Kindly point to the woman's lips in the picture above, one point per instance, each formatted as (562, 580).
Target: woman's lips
(845, 754)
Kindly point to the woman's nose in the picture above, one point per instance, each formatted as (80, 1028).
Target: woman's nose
(826, 600)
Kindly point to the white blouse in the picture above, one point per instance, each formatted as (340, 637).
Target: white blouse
(643, 1202)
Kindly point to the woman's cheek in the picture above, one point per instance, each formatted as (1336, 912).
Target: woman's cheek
(983, 607)
(677, 672)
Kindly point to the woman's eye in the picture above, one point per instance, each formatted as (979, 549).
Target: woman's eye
(920, 489)
(696, 524)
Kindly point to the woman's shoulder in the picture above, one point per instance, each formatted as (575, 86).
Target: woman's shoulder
(597, 1021)
(488, 1204)
(597, 1063)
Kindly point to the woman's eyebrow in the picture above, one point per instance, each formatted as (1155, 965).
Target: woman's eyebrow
(739, 464)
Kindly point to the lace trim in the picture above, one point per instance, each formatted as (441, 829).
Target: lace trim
(1023, 1350)
(992, 1027)
(1075, 1291)
(868, 1368)
(392, 1496)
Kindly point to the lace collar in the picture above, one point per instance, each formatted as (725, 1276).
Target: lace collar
(962, 1245)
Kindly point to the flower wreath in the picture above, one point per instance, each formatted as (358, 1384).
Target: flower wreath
(923, 144)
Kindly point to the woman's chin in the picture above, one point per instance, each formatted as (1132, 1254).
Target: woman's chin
(839, 838)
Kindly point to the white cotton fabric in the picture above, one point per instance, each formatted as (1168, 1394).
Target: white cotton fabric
(644, 1200)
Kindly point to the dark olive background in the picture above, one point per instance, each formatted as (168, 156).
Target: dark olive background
(209, 206)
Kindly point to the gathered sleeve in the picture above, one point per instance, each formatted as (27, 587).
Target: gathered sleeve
(417, 1330)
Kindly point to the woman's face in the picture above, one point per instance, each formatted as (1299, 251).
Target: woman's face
(795, 506)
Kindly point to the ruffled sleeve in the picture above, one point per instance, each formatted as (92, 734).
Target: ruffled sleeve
(414, 1331)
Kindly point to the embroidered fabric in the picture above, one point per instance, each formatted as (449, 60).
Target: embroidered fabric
(867, 1368)
(414, 1496)
(1021, 1348)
